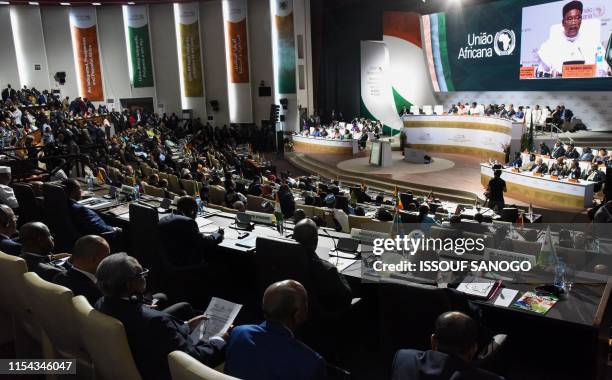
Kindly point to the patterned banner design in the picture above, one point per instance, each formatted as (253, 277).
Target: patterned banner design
(189, 40)
(87, 56)
(283, 22)
(139, 46)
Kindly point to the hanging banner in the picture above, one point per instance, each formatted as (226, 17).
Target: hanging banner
(237, 55)
(285, 45)
(139, 47)
(84, 34)
(234, 16)
(189, 45)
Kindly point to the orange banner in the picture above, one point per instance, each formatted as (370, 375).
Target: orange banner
(239, 51)
(579, 71)
(88, 63)
(527, 72)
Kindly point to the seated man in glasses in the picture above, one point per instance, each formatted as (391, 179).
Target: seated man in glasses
(151, 334)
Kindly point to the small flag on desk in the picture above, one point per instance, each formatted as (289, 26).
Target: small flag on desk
(398, 200)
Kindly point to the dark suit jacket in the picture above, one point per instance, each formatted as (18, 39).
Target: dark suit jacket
(270, 351)
(10, 246)
(86, 220)
(435, 365)
(41, 266)
(558, 151)
(183, 242)
(332, 293)
(153, 334)
(80, 284)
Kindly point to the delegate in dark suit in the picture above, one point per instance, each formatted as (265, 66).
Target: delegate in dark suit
(183, 242)
(270, 351)
(153, 334)
(87, 221)
(435, 365)
(10, 246)
(79, 283)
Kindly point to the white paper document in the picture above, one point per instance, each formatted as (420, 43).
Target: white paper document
(220, 315)
(505, 297)
(341, 263)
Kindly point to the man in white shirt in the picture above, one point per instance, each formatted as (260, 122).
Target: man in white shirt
(570, 45)
(16, 115)
(7, 196)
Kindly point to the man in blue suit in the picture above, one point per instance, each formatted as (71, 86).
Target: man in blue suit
(270, 350)
(86, 220)
(453, 347)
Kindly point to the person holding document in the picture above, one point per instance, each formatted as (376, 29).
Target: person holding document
(571, 46)
(151, 334)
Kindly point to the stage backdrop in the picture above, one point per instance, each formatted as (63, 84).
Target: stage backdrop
(376, 93)
(480, 48)
(83, 28)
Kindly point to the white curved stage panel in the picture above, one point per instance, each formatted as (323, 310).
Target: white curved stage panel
(305, 144)
(471, 135)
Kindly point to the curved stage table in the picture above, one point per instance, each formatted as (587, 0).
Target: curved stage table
(471, 135)
(304, 144)
(527, 187)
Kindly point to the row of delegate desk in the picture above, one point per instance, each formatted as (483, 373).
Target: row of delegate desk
(582, 314)
(529, 187)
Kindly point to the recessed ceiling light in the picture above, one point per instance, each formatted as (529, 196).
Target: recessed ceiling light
(33, 2)
(4, 3)
(64, 3)
(131, 3)
(96, 4)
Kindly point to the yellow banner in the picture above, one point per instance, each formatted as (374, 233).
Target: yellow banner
(192, 65)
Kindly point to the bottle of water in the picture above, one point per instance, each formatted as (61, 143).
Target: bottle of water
(599, 61)
(90, 183)
(136, 193)
(559, 282)
(199, 203)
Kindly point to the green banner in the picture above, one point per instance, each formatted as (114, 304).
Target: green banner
(140, 52)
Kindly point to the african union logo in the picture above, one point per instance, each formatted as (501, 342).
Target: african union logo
(505, 42)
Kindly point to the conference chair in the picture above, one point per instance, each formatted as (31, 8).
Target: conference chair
(342, 202)
(509, 214)
(53, 309)
(438, 109)
(29, 210)
(216, 195)
(427, 110)
(189, 186)
(326, 215)
(163, 175)
(105, 341)
(14, 305)
(526, 247)
(414, 110)
(574, 258)
(254, 203)
(308, 210)
(57, 217)
(146, 244)
(152, 190)
(174, 184)
(184, 367)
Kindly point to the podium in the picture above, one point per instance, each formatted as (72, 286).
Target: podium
(380, 155)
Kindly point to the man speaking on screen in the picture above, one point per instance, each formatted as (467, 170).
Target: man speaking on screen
(572, 46)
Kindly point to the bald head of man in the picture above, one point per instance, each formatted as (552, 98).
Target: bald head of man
(88, 251)
(286, 302)
(455, 333)
(36, 238)
(306, 233)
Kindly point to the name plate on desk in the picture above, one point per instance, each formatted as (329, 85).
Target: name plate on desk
(366, 235)
(261, 217)
(554, 177)
(535, 174)
(572, 180)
